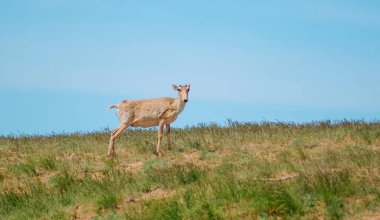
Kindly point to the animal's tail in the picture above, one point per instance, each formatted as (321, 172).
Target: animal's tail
(113, 106)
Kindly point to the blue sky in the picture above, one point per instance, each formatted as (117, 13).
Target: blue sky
(63, 62)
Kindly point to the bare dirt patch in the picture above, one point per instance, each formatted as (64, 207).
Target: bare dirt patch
(10, 156)
(158, 193)
(97, 175)
(45, 176)
(266, 152)
(69, 156)
(83, 212)
(192, 157)
(133, 167)
(367, 216)
(283, 176)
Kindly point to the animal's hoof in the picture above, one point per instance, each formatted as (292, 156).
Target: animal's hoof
(157, 153)
(111, 155)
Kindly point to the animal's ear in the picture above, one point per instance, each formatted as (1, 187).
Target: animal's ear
(175, 87)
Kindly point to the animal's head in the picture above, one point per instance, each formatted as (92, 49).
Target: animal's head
(183, 91)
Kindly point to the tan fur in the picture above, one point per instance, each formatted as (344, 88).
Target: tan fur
(149, 113)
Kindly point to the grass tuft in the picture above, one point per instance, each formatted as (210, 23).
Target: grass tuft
(108, 201)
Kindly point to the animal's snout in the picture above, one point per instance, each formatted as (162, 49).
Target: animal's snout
(185, 100)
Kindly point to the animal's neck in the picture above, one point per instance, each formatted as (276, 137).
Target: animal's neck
(179, 104)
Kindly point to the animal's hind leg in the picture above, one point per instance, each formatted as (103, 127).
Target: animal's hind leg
(111, 148)
(115, 133)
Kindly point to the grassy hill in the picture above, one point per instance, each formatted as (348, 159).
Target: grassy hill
(238, 171)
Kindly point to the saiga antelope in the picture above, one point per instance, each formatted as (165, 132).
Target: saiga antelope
(149, 113)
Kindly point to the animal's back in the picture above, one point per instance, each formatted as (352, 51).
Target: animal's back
(156, 104)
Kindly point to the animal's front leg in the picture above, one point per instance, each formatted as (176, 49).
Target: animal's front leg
(168, 134)
(160, 133)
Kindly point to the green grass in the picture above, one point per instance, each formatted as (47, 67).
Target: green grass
(238, 171)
